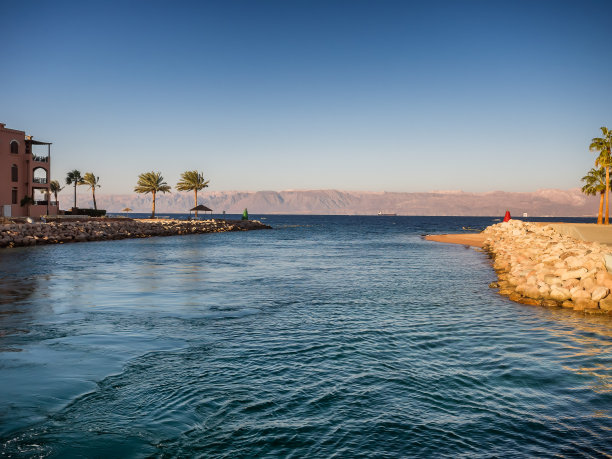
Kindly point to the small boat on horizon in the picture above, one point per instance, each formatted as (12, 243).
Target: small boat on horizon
(380, 214)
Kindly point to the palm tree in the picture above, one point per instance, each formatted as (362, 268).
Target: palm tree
(151, 182)
(595, 182)
(192, 180)
(26, 202)
(603, 146)
(74, 178)
(93, 182)
(54, 187)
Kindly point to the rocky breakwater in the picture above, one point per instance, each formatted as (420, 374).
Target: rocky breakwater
(26, 234)
(536, 265)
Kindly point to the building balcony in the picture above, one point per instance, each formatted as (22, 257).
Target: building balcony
(41, 180)
(44, 203)
(40, 159)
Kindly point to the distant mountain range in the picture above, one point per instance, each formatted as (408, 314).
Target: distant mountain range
(549, 202)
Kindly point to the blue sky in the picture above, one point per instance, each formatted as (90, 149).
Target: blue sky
(273, 95)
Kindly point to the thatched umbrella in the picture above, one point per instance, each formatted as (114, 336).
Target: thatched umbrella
(200, 208)
(126, 210)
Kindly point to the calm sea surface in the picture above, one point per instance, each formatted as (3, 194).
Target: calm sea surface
(325, 337)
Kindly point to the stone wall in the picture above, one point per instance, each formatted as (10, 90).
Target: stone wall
(536, 265)
(26, 234)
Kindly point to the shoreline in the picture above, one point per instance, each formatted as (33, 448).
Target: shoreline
(62, 232)
(471, 239)
(542, 265)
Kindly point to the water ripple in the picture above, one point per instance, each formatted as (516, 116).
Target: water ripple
(328, 337)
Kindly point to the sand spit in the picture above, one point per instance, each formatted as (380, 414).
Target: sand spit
(537, 265)
(26, 234)
(471, 239)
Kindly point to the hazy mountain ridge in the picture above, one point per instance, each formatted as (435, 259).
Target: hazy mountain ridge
(561, 203)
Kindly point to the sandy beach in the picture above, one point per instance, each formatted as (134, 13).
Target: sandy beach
(589, 232)
(471, 239)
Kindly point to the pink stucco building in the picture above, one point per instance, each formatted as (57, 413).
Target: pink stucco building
(25, 166)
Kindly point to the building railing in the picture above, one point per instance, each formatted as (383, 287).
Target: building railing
(44, 203)
(40, 159)
(42, 180)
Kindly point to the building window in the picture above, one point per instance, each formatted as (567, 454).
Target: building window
(14, 173)
(14, 147)
(14, 196)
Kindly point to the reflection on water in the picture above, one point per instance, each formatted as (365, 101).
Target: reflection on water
(588, 338)
(15, 313)
(15, 290)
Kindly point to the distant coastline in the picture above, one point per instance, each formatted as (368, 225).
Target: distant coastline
(541, 203)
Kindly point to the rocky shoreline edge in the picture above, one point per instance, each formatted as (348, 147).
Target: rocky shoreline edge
(59, 232)
(536, 265)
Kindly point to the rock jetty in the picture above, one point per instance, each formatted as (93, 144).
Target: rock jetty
(27, 234)
(536, 265)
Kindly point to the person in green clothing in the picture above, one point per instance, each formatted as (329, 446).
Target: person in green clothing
(245, 215)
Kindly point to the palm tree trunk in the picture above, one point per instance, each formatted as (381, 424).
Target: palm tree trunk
(601, 204)
(153, 213)
(75, 184)
(93, 193)
(196, 202)
(607, 195)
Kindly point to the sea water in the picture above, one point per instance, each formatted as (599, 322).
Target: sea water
(324, 337)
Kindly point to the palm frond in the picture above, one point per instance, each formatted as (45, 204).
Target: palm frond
(595, 181)
(192, 180)
(151, 182)
(73, 177)
(55, 187)
(90, 179)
